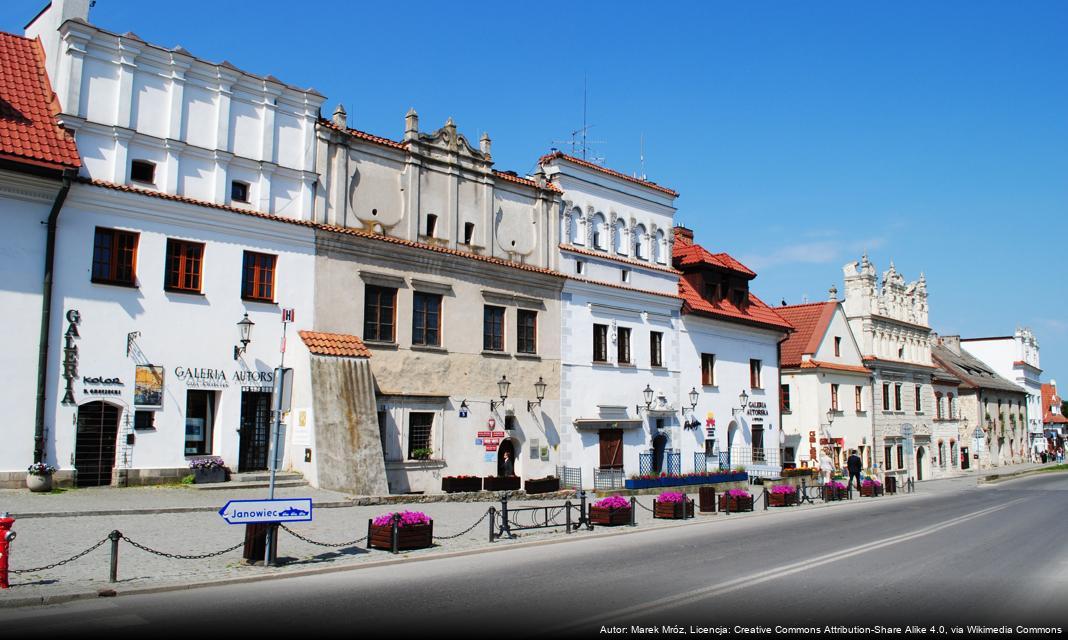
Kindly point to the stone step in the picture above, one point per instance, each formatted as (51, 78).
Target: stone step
(218, 486)
(264, 476)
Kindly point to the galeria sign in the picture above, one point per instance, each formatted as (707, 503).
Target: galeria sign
(263, 511)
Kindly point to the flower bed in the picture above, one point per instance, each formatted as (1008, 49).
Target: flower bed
(835, 490)
(208, 469)
(680, 480)
(736, 500)
(415, 530)
(672, 506)
(871, 488)
(460, 484)
(782, 495)
(501, 483)
(542, 485)
(611, 511)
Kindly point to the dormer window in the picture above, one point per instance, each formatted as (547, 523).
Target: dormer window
(739, 298)
(712, 291)
(143, 171)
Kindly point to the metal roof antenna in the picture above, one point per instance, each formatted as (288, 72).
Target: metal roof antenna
(641, 155)
(580, 142)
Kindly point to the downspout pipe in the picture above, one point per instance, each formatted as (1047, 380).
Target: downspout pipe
(46, 315)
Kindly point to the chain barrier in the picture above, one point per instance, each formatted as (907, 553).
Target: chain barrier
(643, 506)
(465, 531)
(321, 544)
(178, 556)
(61, 562)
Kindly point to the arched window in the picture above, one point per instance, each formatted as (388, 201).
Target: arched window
(600, 235)
(639, 242)
(954, 456)
(938, 405)
(578, 228)
(619, 240)
(659, 251)
(941, 453)
(949, 405)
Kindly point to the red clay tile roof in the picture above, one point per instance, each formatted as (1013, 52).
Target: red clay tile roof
(503, 175)
(620, 286)
(334, 344)
(756, 312)
(820, 364)
(29, 133)
(810, 322)
(323, 227)
(1049, 398)
(608, 256)
(546, 159)
(687, 253)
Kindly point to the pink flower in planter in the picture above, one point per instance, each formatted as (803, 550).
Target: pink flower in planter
(783, 489)
(407, 519)
(739, 493)
(612, 502)
(836, 485)
(671, 496)
(871, 483)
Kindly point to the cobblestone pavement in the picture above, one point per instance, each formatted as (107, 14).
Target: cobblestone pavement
(42, 541)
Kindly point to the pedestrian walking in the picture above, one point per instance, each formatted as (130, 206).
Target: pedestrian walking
(854, 464)
(826, 466)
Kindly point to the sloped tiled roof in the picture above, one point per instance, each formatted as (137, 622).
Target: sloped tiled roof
(973, 372)
(546, 159)
(686, 253)
(756, 312)
(810, 323)
(334, 344)
(820, 364)
(1049, 398)
(29, 132)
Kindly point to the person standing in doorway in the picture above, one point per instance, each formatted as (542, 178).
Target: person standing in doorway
(854, 465)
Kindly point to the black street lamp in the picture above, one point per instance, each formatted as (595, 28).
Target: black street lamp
(743, 402)
(245, 326)
(539, 393)
(694, 397)
(502, 387)
(648, 393)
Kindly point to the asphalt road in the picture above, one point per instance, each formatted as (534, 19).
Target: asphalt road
(994, 555)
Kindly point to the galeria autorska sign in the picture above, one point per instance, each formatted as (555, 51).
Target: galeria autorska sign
(211, 378)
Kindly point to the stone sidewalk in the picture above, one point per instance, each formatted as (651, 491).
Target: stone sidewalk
(45, 540)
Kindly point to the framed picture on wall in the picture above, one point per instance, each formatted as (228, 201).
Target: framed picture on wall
(148, 386)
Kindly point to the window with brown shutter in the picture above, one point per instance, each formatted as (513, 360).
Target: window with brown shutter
(526, 331)
(257, 282)
(834, 397)
(493, 328)
(754, 374)
(656, 349)
(379, 313)
(708, 369)
(115, 257)
(611, 445)
(184, 261)
(600, 343)
(623, 345)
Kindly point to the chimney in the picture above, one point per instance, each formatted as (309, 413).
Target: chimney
(684, 233)
(950, 342)
(340, 118)
(484, 145)
(411, 125)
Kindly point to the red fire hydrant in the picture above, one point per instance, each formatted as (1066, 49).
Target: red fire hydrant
(6, 536)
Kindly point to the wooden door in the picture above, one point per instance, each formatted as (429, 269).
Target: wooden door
(255, 431)
(611, 448)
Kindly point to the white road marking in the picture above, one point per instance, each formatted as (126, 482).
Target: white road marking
(673, 601)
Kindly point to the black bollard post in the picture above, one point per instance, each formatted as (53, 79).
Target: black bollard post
(633, 511)
(394, 533)
(492, 521)
(114, 536)
(567, 520)
(505, 529)
(584, 515)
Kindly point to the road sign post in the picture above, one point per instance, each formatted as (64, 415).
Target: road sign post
(283, 390)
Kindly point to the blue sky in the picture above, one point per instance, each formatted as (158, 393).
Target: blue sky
(799, 134)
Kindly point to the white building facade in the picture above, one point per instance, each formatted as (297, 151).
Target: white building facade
(1016, 358)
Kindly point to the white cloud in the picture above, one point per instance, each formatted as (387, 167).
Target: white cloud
(817, 252)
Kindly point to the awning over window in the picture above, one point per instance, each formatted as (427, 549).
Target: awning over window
(595, 424)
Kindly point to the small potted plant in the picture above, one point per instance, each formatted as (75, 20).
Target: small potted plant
(39, 477)
(413, 530)
(835, 490)
(422, 453)
(208, 469)
(461, 484)
(736, 500)
(611, 511)
(672, 505)
(782, 495)
(871, 488)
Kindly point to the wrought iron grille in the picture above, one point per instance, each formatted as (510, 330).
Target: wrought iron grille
(607, 479)
(672, 462)
(570, 477)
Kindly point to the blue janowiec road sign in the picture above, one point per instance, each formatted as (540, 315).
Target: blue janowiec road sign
(278, 510)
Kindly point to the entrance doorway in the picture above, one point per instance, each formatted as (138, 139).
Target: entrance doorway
(921, 453)
(94, 449)
(965, 459)
(611, 445)
(255, 431)
(506, 459)
(659, 445)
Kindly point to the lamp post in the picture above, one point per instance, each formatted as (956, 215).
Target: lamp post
(245, 327)
(539, 393)
(648, 394)
(694, 397)
(743, 402)
(502, 388)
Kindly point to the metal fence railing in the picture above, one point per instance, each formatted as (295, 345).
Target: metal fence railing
(671, 462)
(607, 479)
(570, 477)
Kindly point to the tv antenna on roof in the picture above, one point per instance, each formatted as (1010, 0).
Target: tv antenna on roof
(580, 142)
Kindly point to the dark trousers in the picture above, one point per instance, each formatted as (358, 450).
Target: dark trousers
(854, 474)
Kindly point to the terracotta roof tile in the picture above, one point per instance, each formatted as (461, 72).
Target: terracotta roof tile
(756, 312)
(820, 364)
(596, 167)
(1049, 398)
(29, 132)
(334, 344)
(810, 323)
(687, 253)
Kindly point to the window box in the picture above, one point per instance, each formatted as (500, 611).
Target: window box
(461, 484)
(673, 510)
(501, 483)
(609, 517)
(734, 504)
(547, 484)
(418, 536)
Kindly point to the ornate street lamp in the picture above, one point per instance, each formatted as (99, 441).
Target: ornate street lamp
(648, 394)
(743, 402)
(694, 397)
(245, 326)
(539, 393)
(502, 387)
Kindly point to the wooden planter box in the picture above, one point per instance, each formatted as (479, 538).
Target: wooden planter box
(832, 495)
(497, 483)
(460, 485)
(542, 485)
(870, 492)
(207, 476)
(735, 504)
(782, 499)
(673, 510)
(707, 497)
(418, 536)
(609, 517)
